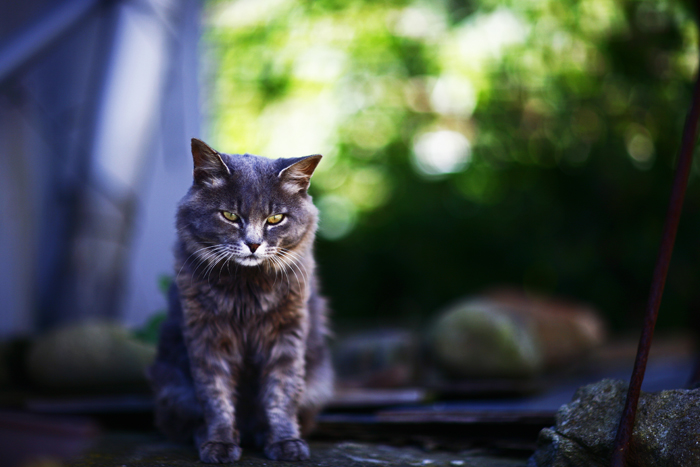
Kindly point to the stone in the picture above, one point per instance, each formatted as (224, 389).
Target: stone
(89, 356)
(146, 450)
(480, 339)
(666, 433)
(383, 358)
(510, 335)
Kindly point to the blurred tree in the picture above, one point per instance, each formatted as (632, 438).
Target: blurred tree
(471, 144)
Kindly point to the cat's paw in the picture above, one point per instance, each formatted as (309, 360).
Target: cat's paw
(288, 450)
(213, 452)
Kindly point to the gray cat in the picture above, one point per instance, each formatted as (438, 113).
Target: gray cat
(243, 357)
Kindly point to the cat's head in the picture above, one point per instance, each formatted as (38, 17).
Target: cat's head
(247, 209)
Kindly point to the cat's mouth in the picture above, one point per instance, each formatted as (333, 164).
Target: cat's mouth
(250, 260)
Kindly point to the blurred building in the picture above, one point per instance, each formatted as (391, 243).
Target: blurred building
(98, 100)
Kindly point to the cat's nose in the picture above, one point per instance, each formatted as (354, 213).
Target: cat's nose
(253, 246)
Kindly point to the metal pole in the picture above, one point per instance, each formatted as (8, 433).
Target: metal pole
(680, 181)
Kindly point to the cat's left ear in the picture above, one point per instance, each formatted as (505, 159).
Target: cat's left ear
(297, 175)
(208, 165)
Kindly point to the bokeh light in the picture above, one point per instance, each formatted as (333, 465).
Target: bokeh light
(517, 133)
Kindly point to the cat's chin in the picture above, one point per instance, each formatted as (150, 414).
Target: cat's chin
(249, 261)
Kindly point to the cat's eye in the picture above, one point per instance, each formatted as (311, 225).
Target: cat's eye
(229, 215)
(275, 219)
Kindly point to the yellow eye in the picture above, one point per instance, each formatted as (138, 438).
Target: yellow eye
(229, 215)
(276, 219)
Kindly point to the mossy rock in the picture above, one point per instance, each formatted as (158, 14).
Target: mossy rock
(478, 339)
(89, 356)
(665, 431)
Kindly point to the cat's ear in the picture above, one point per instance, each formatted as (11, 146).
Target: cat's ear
(208, 164)
(296, 176)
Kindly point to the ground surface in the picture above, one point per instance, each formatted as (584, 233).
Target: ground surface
(146, 450)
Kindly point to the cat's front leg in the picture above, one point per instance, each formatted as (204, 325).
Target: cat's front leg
(283, 385)
(218, 440)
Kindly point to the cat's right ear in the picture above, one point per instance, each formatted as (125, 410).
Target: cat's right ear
(209, 167)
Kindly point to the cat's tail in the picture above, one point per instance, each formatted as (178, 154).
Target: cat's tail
(178, 413)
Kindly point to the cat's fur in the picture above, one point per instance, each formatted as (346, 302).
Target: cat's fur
(242, 357)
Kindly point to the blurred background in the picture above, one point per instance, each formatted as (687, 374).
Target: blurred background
(467, 144)
(98, 100)
(471, 143)
(491, 168)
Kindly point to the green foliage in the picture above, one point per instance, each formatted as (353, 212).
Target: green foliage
(470, 144)
(150, 331)
(164, 283)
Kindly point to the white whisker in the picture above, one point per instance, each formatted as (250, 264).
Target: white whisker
(190, 256)
(281, 266)
(207, 258)
(212, 265)
(296, 261)
(295, 273)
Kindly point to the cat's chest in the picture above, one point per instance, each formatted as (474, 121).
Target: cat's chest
(251, 337)
(238, 298)
(245, 301)
(242, 313)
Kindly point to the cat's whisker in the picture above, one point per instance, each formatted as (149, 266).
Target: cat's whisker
(228, 257)
(282, 256)
(295, 261)
(204, 258)
(212, 265)
(231, 258)
(270, 267)
(220, 261)
(228, 262)
(190, 256)
(282, 267)
(295, 256)
(299, 267)
(274, 266)
(212, 250)
(267, 268)
(209, 265)
(276, 272)
(213, 258)
(291, 267)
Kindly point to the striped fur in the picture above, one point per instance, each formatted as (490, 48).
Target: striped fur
(243, 357)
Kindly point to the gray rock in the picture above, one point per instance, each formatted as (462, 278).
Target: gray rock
(667, 429)
(145, 449)
(511, 335)
(481, 339)
(381, 358)
(89, 356)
